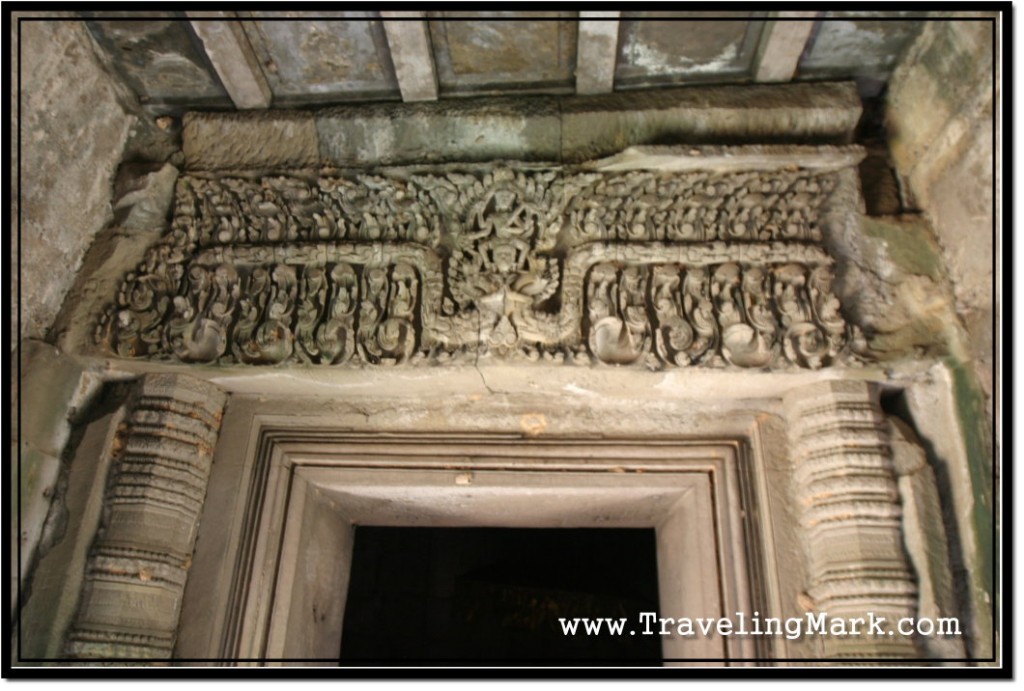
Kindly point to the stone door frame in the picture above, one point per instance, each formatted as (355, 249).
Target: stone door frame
(280, 542)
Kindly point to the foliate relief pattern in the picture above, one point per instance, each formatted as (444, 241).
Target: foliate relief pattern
(728, 313)
(698, 207)
(668, 270)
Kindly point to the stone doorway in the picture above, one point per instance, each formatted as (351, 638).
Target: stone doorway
(286, 600)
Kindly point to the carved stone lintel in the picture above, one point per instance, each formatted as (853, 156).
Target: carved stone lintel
(850, 515)
(136, 572)
(710, 269)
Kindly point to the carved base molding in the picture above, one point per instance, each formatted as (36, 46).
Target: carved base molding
(138, 566)
(850, 515)
(664, 269)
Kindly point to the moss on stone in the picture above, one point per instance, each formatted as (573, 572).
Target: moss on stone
(909, 245)
(970, 411)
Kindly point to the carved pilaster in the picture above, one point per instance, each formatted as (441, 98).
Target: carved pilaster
(850, 515)
(136, 573)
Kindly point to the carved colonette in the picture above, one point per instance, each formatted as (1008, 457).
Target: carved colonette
(851, 516)
(137, 568)
(702, 268)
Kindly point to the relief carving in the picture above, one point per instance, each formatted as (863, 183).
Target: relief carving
(658, 269)
(850, 514)
(138, 566)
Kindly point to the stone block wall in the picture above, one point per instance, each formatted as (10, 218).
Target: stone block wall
(74, 119)
(940, 128)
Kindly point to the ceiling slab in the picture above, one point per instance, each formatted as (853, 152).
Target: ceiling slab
(673, 52)
(159, 57)
(338, 56)
(488, 52)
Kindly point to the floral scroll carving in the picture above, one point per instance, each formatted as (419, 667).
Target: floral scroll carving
(660, 269)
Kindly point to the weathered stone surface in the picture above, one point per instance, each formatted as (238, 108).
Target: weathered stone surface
(855, 44)
(951, 422)
(497, 129)
(78, 506)
(596, 53)
(944, 81)
(250, 140)
(850, 514)
(411, 54)
(159, 57)
(924, 535)
(598, 126)
(722, 159)
(322, 55)
(890, 276)
(138, 565)
(237, 66)
(659, 52)
(782, 42)
(146, 206)
(53, 390)
(662, 269)
(939, 124)
(545, 129)
(503, 51)
(73, 128)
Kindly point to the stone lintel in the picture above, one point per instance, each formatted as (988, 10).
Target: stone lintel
(549, 129)
(822, 113)
(681, 159)
(258, 139)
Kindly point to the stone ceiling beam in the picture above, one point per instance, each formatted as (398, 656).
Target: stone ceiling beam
(570, 129)
(229, 51)
(597, 49)
(782, 44)
(411, 52)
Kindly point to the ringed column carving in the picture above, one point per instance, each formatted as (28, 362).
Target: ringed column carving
(135, 576)
(850, 516)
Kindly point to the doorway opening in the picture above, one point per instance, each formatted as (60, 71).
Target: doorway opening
(696, 498)
(501, 595)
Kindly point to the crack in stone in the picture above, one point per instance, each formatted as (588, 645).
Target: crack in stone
(483, 379)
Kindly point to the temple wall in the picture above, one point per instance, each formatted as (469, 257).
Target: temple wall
(939, 122)
(74, 123)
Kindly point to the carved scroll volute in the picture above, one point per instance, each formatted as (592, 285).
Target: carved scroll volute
(620, 332)
(312, 308)
(334, 340)
(387, 316)
(743, 345)
(825, 306)
(263, 335)
(198, 331)
(804, 342)
(672, 333)
(697, 307)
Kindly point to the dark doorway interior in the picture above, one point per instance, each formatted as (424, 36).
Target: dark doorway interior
(479, 595)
